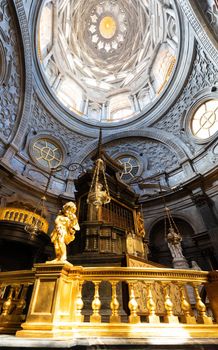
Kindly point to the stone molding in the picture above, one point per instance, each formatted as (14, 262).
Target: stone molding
(172, 142)
(154, 112)
(23, 125)
(202, 33)
(11, 71)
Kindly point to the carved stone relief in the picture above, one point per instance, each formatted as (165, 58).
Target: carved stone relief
(159, 158)
(2, 149)
(27, 5)
(42, 121)
(210, 9)
(10, 84)
(213, 154)
(155, 157)
(204, 74)
(204, 37)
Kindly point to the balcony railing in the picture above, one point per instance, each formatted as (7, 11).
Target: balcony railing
(15, 288)
(163, 301)
(23, 216)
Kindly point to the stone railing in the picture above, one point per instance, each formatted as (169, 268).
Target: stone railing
(14, 290)
(23, 216)
(158, 301)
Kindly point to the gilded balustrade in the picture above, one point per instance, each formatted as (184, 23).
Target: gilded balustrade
(14, 287)
(56, 307)
(23, 216)
(61, 285)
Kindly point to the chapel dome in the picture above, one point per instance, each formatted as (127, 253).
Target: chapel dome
(108, 60)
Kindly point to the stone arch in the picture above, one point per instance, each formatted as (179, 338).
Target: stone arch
(179, 216)
(172, 142)
(159, 251)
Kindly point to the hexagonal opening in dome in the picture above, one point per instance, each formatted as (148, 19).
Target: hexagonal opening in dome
(107, 27)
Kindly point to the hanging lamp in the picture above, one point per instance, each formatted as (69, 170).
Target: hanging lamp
(35, 222)
(99, 191)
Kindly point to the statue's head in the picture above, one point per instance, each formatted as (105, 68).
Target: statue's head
(69, 207)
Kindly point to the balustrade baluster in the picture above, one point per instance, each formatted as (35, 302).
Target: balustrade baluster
(7, 215)
(96, 305)
(79, 304)
(133, 305)
(2, 293)
(6, 308)
(21, 218)
(201, 307)
(2, 290)
(11, 215)
(22, 301)
(114, 318)
(169, 317)
(17, 289)
(187, 317)
(151, 306)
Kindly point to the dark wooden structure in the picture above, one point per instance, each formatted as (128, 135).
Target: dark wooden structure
(102, 239)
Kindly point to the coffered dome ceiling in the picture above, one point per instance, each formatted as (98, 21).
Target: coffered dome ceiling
(108, 60)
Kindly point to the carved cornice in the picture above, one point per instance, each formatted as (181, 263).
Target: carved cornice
(24, 276)
(123, 273)
(137, 273)
(203, 34)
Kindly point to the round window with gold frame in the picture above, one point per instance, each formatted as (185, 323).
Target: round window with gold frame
(204, 122)
(46, 152)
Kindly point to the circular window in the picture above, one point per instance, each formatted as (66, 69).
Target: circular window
(131, 167)
(47, 153)
(204, 122)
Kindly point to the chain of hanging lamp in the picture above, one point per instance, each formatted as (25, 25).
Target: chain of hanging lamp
(34, 224)
(171, 222)
(168, 218)
(99, 191)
